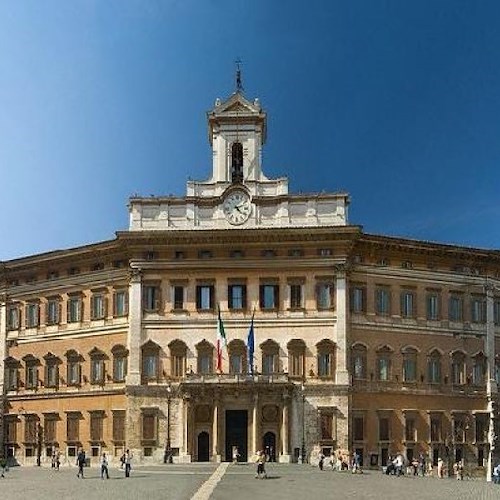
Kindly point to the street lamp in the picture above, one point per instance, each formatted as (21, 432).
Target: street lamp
(303, 448)
(167, 457)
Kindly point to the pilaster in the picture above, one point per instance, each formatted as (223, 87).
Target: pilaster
(135, 328)
(341, 310)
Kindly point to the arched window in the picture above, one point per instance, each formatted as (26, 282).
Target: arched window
(237, 162)
(479, 369)
(359, 361)
(409, 364)
(150, 361)
(178, 352)
(270, 357)
(326, 358)
(97, 367)
(458, 373)
(205, 355)
(296, 357)
(384, 364)
(237, 357)
(120, 354)
(434, 367)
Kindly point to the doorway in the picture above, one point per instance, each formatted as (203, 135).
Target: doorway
(203, 447)
(236, 434)
(269, 445)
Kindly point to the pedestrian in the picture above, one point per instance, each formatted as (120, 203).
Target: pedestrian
(496, 474)
(236, 454)
(458, 469)
(261, 469)
(122, 461)
(53, 463)
(127, 459)
(3, 466)
(421, 464)
(356, 463)
(440, 468)
(58, 459)
(321, 461)
(80, 461)
(104, 466)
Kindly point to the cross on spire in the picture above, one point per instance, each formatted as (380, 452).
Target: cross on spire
(239, 85)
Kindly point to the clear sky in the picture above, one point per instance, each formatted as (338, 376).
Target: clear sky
(396, 102)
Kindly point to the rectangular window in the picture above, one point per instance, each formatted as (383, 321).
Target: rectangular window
(382, 301)
(151, 298)
(296, 296)
(435, 429)
(73, 372)
(73, 428)
(409, 369)
(150, 366)
(32, 315)
(269, 297)
(205, 364)
(268, 362)
(178, 293)
(326, 423)
(49, 430)
(119, 368)
(481, 428)
(235, 363)
(434, 371)
(30, 430)
(478, 310)
(148, 427)
(96, 420)
(31, 376)
(205, 300)
(456, 308)
(53, 312)
(410, 430)
(324, 365)
(432, 306)
(237, 297)
(12, 373)
(119, 426)
(10, 431)
(13, 317)
(496, 312)
(52, 375)
(359, 364)
(359, 429)
(97, 371)
(178, 365)
(74, 309)
(325, 295)
(407, 304)
(296, 364)
(384, 368)
(383, 429)
(358, 300)
(120, 303)
(98, 306)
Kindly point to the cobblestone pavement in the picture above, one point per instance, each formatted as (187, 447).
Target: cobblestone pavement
(181, 482)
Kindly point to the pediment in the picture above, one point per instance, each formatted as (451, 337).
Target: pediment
(236, 104)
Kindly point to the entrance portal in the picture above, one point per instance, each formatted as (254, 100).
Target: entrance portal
(236, 434)
(203, 447)
(269, 445)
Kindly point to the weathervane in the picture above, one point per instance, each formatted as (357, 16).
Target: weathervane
(239, 85)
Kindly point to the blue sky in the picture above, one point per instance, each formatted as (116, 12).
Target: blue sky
(396, 102)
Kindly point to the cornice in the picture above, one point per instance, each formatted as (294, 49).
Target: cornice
(61, 394)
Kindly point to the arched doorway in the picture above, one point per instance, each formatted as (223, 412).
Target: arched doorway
(203, 447)
(269, 445)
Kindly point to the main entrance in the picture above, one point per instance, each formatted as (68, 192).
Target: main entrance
(236, 434)
(203, 447)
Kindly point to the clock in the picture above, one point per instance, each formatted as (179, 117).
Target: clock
(237, 207)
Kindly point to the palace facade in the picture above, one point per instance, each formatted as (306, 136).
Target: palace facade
(362, 342)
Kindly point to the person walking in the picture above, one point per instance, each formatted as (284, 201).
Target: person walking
(58, 459)
(128, 458)
(321, 461)
(80, 461)
(104, 466)
(440, 470)
(261, 469)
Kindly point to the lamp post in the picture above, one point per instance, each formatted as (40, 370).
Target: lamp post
(167, 457)
(303, 448)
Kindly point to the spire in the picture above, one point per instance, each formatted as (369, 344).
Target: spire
(239, 85)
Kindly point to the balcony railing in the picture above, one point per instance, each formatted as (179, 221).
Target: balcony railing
(231, 378)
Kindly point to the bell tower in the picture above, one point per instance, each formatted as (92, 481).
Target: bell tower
(237, 133)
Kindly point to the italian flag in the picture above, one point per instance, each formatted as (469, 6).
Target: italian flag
(221, 341)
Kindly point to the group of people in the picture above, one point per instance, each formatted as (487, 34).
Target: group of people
(81, 461)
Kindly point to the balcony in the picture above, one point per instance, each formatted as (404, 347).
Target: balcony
(235, 378)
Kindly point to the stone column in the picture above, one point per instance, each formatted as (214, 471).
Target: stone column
(285, 454)
(342, 375)
(186, 424)
(3, 355)
(255, 424)
(135, 328)
(216, 456)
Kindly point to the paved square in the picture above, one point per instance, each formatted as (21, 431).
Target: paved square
(181, 482)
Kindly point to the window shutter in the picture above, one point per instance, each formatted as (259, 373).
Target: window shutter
(198, 297)
(80, 309)
(261, 296)
(276, 296)
(105, 307)
(68, 311)
(230, 297)
(244, 296)
(92, 307)
(126, 302)
(157, 298)
(212, 296)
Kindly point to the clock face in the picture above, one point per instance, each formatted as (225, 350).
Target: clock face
(237, 207)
